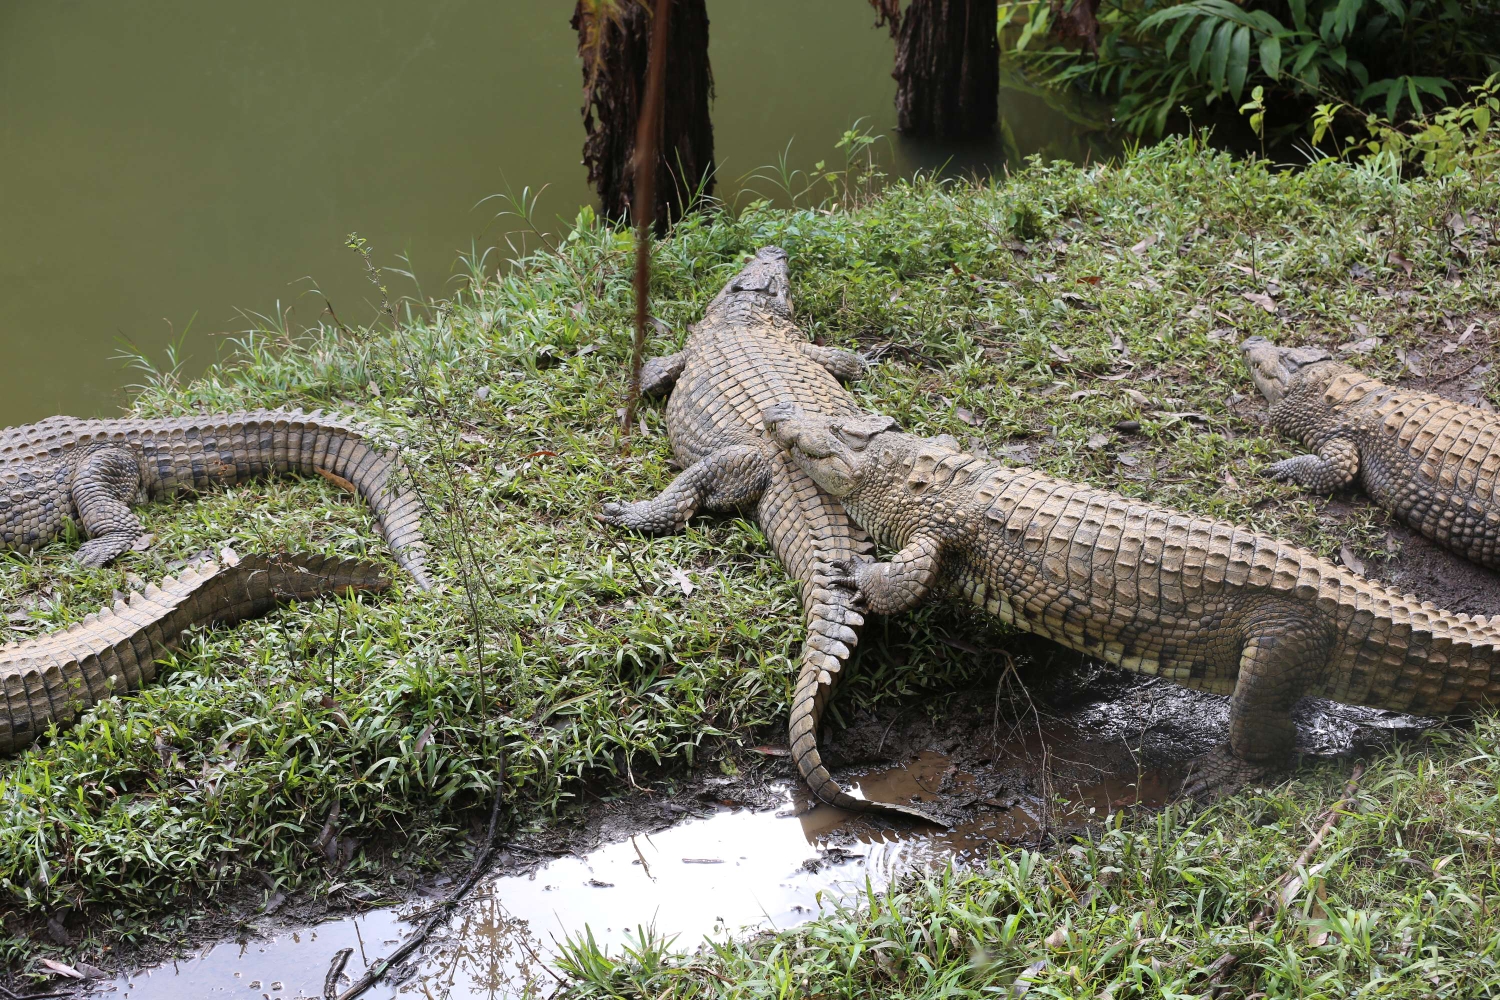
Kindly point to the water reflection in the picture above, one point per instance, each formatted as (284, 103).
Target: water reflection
(730, 872)
(168, 162)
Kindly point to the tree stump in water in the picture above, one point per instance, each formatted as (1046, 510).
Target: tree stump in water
(614, 41)
(947, 68)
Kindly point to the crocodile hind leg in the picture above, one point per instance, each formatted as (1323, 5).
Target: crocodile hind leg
(104, 483)
(1332, 468)
(1280, 661)
(729, 479)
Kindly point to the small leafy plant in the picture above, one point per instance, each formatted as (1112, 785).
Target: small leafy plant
(1401, 57)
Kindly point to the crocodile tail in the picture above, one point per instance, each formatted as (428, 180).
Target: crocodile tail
(1403, 654)
(811, 533)
(53, 678)
(193, 452)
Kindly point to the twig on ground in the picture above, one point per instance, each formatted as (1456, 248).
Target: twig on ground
(1278, 900)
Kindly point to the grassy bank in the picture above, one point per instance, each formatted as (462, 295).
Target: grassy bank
(1032, 317)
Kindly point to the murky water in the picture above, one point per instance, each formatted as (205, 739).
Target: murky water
(732, 871)
(165, 163)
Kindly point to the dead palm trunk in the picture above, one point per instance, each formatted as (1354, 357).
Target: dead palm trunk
(614, 42)
(947, 66)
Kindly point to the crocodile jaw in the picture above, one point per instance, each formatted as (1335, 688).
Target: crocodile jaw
(834, 451)
(1272, 367)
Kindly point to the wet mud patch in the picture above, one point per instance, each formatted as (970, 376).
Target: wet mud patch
(1052, 743)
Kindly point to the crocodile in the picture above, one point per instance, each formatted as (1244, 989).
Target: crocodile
(93, 470)
(1433, 463)
(51, 679)
(745, 353)
(1205, 603)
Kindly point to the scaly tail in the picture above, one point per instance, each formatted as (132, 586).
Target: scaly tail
(53, 678)
(811, 532)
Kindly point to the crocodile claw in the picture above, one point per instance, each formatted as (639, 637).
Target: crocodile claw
(1219, 773)
(1284, 470)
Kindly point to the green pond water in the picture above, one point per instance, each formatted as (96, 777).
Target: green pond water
(169, 167)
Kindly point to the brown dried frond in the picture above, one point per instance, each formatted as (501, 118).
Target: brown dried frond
(887, 14)
(1076, 21)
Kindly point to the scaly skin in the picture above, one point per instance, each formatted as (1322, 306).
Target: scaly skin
(1203, 602)
(92, 470)
(1432, 463)
(743, 355)
(54, 678)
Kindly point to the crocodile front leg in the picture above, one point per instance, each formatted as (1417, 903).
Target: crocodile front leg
(899, 583)
(104, 483)
(1332, 468)
(659, 374)
(842, 365)
(729, 479)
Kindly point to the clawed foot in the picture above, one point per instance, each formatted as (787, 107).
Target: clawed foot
(1284, 470)
(844, 574)
(1220, 773)
(102, 550)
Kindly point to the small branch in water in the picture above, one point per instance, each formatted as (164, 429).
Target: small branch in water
(643, 200)
(335, 969)
(439, 913)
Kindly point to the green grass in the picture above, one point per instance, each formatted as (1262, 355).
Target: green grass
(1000, 311)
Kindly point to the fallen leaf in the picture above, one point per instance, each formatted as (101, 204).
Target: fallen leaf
(336, 480)
(967, 416)
(1230, 481)
(540, 454)
(374, 389)
(1449, 347)
(703, 861)
(1092, 279)
(1264, 301)
(1359, 271)
(1348, 558)
(586, 350)
(1097, 441)
(1360, 346)
(773, 751)
(1058, 938)
(1395, 258)
(63, 970)
(1463, 338)
(1412, 360)
(274, 903)
(482, 393)
(1059, 353)
(681, 579)
(423, 738)
(143, 542)
(1129, 461)
(1136, 396)
(1084, 394)
(1146, 244)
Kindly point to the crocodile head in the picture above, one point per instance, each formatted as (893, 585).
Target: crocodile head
(761, 287)
(835, 451)
(1273, 367)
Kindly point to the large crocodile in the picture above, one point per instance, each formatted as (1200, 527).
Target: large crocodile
(64, 467)
(1432, 462)
(1205, 603)
(53, 678)
(744, 354)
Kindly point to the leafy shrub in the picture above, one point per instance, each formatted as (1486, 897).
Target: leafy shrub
(1401, 58)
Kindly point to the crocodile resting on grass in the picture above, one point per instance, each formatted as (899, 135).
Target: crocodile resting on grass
(53, 678)
(1202, 602)
(743, 355)
(1432, 463)
(92, 470)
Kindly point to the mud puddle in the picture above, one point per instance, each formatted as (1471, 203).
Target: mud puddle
(734, 870)
(728, 856)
